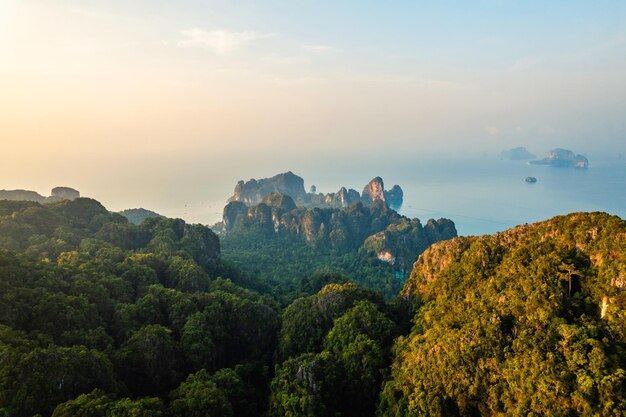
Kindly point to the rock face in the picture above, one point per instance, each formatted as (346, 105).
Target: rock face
(517, 154)
(400, 241)
(65, 193)
(395, 197)
(253, 191)
(563, 158)
(374, 190)
(234, 212)
(288, 184)
(57, 194)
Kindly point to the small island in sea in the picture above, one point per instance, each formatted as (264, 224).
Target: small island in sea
(531, 180)
(563, 158)
(517, 154)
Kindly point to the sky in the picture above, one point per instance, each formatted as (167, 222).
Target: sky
(106, 94)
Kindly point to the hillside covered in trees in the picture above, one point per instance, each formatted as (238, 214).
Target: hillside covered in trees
(125, 319)
(282, 243)
(102, 317)
(531, 321)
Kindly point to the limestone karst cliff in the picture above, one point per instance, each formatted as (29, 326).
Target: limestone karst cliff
(253, 192)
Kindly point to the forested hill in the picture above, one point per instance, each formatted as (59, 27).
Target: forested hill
(281, 243)
(531, 321)
(103, 318)
(122, 320)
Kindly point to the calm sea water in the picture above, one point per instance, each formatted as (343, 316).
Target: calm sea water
(486, 196)
(481, 195)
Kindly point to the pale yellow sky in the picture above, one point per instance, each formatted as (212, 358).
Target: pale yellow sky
(104, 81)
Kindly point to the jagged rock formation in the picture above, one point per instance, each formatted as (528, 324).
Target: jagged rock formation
(65, 193)
(341, 199)
(544, 302)
(57, 194)
(233, 212)
(563, 158)
(254, 191)
(400, 241)
(517, 154)
(374, 190)
(394, 197)
(138, 215)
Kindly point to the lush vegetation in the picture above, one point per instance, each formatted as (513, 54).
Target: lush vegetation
(531, 321)
(99, 314)
(283, 244)
(101, 317)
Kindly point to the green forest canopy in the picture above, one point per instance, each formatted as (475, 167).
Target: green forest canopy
(100, 317)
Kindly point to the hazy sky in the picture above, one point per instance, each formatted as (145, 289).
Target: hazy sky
(120, 85)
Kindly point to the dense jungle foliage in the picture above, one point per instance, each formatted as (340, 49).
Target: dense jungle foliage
(531, 321)
(283, 244)
(101, 317)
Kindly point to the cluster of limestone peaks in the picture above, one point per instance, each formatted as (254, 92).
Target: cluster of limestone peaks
(56, 194)
(254, 191)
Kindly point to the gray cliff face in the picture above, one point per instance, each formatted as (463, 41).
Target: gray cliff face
(290, 185)
(234, 213)
(341, 199)
(395, 197)
(563, 158)
(253, 191)
(374, 190)
(65, 193)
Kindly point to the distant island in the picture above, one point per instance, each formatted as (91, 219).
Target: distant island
(563, 158)
(517, 154)
(254, 191)
(56, 194)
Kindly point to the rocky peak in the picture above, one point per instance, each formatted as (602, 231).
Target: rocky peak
(290, 186)
(253, 191)
(374, 190)
(394, 197)
(65, 193)
(234, 212)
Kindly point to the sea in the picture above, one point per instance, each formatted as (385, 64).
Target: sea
(482, 195)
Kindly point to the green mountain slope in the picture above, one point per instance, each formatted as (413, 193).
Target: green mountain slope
(531, 321)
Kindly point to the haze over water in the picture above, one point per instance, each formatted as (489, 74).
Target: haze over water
(481, 194)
